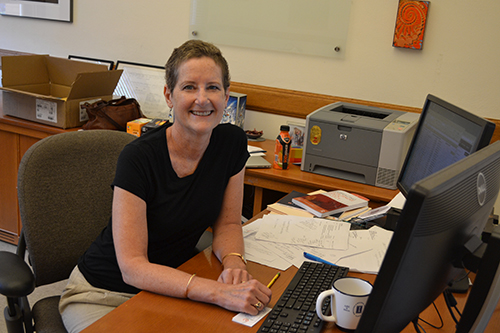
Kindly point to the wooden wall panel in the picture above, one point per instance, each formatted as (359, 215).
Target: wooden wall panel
(299, 104)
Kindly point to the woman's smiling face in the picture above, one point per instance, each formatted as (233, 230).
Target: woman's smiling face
(199, 98)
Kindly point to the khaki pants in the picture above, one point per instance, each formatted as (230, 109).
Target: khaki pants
(82, 304)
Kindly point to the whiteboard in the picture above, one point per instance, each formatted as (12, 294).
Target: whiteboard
(311, 27)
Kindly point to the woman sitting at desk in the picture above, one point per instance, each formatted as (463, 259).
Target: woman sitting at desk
(170, 185)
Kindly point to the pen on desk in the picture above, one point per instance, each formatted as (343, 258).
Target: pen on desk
(274, 280)
(318, 259)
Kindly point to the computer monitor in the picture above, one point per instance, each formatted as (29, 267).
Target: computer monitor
(444, 135)
(443, 212)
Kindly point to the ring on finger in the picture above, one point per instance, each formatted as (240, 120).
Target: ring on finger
(258, 305)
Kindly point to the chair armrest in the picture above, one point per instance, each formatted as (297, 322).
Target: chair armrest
(16, 277)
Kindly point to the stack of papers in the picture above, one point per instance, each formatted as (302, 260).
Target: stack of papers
(285, 206)
(256, 151)
(279, 241)
(256, 160)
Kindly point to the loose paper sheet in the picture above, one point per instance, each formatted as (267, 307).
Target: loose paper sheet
(298, 230)
(365, 252)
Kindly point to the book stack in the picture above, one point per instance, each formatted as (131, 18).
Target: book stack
(329, 203)
(339, 205)
(285, 206)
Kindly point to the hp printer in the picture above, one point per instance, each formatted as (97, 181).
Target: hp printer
(358, 143)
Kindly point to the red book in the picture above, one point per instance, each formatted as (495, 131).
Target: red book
(330, 203)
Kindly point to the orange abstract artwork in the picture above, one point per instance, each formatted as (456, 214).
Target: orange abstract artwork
(410, 24)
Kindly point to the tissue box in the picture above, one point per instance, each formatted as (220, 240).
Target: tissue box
(235, 110)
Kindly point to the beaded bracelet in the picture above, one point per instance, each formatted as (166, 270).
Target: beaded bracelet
(187, 286)
(235, 254)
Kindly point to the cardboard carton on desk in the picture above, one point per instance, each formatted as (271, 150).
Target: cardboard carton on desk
(134, 127)
(154, 123)
(50, 90)
(141, 126)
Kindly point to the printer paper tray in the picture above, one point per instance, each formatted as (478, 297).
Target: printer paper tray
(340, 169)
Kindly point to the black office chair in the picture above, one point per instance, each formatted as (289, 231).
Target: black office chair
(65, 201)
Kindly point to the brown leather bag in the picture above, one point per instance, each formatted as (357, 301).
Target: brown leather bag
(112, 115)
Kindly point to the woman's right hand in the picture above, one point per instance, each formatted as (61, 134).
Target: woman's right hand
(250, 297)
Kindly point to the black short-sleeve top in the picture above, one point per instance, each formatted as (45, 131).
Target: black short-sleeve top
(178, 209)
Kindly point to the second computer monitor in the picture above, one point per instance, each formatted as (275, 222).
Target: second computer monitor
(445, 134)
(443, 212)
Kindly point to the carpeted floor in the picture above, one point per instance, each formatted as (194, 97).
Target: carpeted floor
(40, 292)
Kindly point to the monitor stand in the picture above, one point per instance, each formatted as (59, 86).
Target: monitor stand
(485, 292)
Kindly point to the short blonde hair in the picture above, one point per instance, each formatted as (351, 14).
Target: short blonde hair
(195, 49)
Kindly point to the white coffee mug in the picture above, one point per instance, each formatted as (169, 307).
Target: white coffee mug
(349, 297)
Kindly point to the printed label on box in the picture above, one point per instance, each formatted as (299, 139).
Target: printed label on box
(84, 116)
(46, 110)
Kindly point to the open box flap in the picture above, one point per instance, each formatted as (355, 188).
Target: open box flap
(24, 70)
(64, 71)
(94, 84)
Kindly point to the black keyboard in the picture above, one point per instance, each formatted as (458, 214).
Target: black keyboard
(295, 311)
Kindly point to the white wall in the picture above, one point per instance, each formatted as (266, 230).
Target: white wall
(459, 60)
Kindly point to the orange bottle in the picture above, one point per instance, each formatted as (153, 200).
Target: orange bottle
(282, 148)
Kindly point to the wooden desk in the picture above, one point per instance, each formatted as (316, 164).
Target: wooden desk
(295, 179)
(148, 312)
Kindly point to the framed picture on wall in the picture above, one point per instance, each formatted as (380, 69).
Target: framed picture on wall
(145, 83)
(55, 10)
(109, 63)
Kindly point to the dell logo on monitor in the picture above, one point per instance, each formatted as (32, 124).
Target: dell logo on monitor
(481, 189)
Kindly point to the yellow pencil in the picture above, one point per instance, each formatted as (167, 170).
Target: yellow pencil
(274, 280)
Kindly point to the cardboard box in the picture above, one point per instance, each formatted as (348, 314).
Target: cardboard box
(51, 90)
(134, 127)
(154, 123)
(235, 109)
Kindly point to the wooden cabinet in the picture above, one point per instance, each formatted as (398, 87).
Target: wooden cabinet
(9, 147)
(16, 136)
